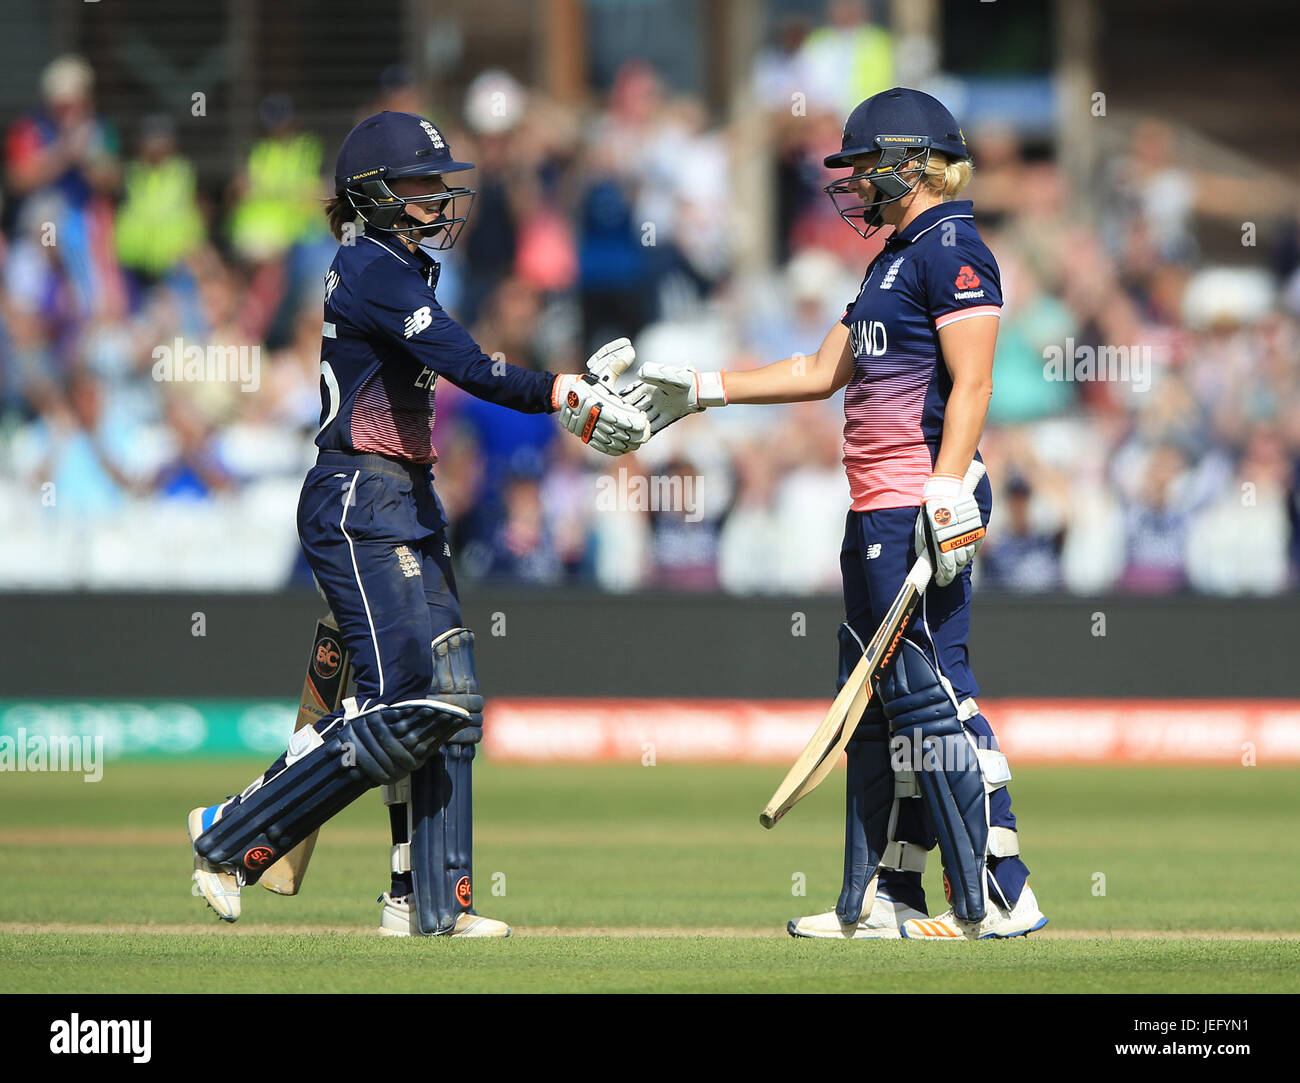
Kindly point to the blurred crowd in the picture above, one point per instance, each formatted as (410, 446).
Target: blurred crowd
(1159, 456)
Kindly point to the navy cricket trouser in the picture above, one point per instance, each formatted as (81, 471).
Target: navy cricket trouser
(875, 558)
(374, 534)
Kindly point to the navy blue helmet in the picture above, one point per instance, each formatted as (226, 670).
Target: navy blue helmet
(387, 147)
(905, 126)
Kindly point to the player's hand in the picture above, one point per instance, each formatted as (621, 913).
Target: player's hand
(949, 528)
(591, 410)
(668, 393)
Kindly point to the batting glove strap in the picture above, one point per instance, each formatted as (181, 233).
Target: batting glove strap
(945, 487)
(710, 389)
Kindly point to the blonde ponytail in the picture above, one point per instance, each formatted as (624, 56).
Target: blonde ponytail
(947, 177)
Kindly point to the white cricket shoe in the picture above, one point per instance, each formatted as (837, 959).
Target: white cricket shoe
(999, 923)
(398, 919)
(882, 923)
(219, 886)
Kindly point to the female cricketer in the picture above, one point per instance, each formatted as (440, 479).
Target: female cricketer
(915, 349)
(373, 532)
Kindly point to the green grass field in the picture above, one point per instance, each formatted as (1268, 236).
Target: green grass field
(654, 879)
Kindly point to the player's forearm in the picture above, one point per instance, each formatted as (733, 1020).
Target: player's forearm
(963, 424)
(796, 379)
(506, 385)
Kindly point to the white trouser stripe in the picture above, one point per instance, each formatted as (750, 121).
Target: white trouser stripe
(374, 636)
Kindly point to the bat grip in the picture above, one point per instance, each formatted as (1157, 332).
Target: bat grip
(974, 474)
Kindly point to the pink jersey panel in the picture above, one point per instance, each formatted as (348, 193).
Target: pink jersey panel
(396, 421)
(885, 453)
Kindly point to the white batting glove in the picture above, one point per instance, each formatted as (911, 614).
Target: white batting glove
(612, 360)
(667, 393)
(591, 410)
(948, 528)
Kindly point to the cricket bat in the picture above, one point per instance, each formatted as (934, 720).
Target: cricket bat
(328, 670)
(822, 752)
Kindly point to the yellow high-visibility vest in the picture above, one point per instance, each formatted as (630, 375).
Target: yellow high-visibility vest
(282, 203)
(159, 222)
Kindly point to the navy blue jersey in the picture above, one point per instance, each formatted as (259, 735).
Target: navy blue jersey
(936, 271)
(385, 342)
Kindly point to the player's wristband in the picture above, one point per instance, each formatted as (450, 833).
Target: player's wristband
(941, 487)
(557, 392)
(710, 389)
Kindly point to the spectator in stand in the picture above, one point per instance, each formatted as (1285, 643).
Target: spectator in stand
(814, 284)
(748, 562)
(509, 442)
(1033, 323)
(195, 470)
(278, 192)
(615, 250)
(1156, 525)
(995, 187)
(1239, 544)
(521, 548)
(1021, 558)
(849, 59)
(65, 157)
(685, 528)
(45, 313)
(83, 449)
(1151, 221)
(495, 105)
(159, 222)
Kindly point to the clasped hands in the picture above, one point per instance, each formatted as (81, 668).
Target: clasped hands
(616, 422)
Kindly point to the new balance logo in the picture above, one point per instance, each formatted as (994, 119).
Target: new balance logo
(417, 321)
(873, 550)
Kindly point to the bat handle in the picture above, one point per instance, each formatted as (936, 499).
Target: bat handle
(974, 474)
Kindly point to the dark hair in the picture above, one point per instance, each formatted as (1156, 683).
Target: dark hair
(340, 212)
